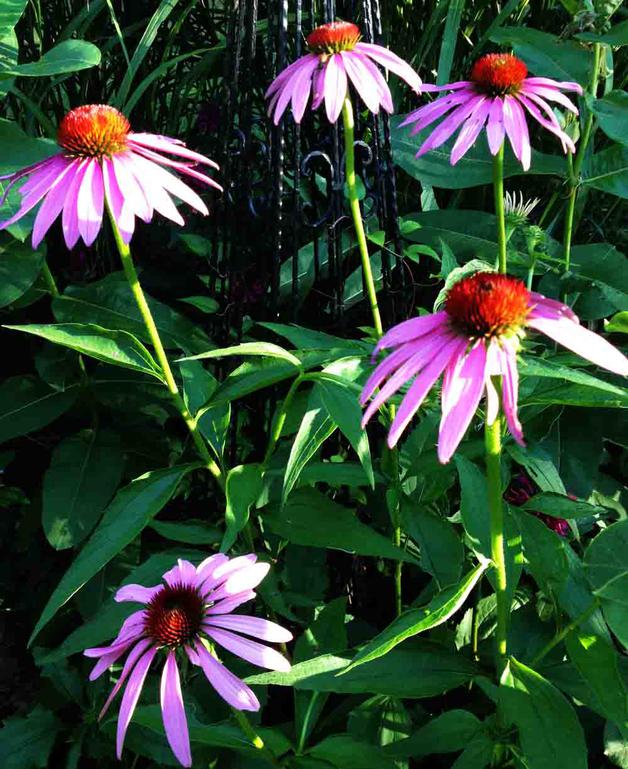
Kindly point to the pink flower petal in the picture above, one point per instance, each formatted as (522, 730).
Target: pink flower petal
(184, 167)
(411, 330)
(550, 308)
(511, 124)
(550, 122)
(378, 81)
(234, 691)
(69, 220)
(169, 182)
(363, 84)
(173, 711)
(131, 696)
(302, 88)
(172, 146)
(38, 185)
(429, 113)
(120, 209)
(524, 135)
(392, 62)
(469, 132)
(253, 626)
(430, 88)
(387, 366)
(242, 580)
(450, 125)
(551, 94)
(248, 650)
(137, 593)
(52, 204)
(227, 605)
(135, 653)
(335, 86)
(90, 202)
(510, 389)
(495, 127)
(566, 85)
(129, 187)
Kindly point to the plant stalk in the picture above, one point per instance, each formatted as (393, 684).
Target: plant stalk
(149, 322)
(492, 442)
(498, 191)
(253, 736)
(48, 277)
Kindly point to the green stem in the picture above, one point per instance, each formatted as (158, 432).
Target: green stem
(253, 736)
(398, 571)
(354, 204)
(134, 283)
(48, 277)
(562, 634)
(575, 166)
(492, 442)
(498, 191)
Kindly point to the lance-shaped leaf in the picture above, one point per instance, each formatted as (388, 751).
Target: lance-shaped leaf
(256, 349)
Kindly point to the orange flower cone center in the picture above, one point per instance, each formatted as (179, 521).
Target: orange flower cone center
(174, 615)
(94, 130)
(333, 37)
(487, 305)
(498, 74)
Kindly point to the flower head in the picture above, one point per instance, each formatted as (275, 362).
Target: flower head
(337, 56)
(187, 614)
(522, 488)
(516, 209)
(101, 161)
(474, 338)
(497, 96)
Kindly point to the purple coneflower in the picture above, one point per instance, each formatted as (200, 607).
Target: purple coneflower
(474, 338)
(498, 95)
(102, 160)
(521, 489)
(336, 56)
(190, 612)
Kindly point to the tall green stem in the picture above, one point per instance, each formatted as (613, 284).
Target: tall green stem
(498, 191)
(492, 442)
(354, 203)
(575, 166)
(134, 284)
(48, 277)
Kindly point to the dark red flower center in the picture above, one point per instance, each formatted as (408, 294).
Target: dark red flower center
(488, 304)
(94, 130)
(498, 74)
(333, 37)
(174, 615)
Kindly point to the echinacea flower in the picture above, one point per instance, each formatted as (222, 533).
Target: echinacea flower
(186, 615)
(517, 209)
(102, 161)
(497, 95)
(337, 56)
(521, 489)
(474, 338)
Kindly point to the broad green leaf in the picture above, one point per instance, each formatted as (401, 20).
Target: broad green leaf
(26, 743)
(110, 303)
(310, 339)
(559, 506)
(18, 150)
(415, 621)
(119, 348)
(612, 114)
(598, 664)
(316, 426)
(198, 387)
(263, 349)
(615, 746)
(616, 35)
(85, 470)
(447, 733)
(549, 731)
(243, 486)
(547, 55)
(606, 564)
(608, 171)
(345, 752)
(475, 168)
(68, 56)
(310, 518)
(19, 268)
(441, 548)
(539, 465)
(28, 404)
(10, 12)
(618, 324)
(424, 670)
(129, 512)
(602, 282)
(203, 303)
(478, 754)
(192, 532)
(381, 721)
(8, 59)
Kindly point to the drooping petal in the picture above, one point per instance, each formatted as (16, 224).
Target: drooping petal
(454, 423)
(550, 94)
(209, 565)
(520, 120)
(172, 146)
(387, 366)
(253, 626)
(495, 127)
(566, 85)
(135, 653)
(302, 88)
(429, 113)
(90, 202)
(550, 308)
(155, 173)
(493, 368)
(154, 192)
(287, 74)
(184, 167)
(335, 87)
(132, 627)
(120, 209)
(420, 388)
(251, 651)
(318, 86)
(363, 84)
(510, 390)
(583, 342)
(34, 189)
(52, 204)
(234, 691)
(431, 88)
(173, 711)
(131, 696)
(550, 122)
(132, 192)
(107, 658)
(223, 569)
(469, 132)
(137, 593)
(513, 130)
(392, 62)
(378, 80)
(69, 220)
(244, 579)
(227, 605)
(284, 94)
(410, 330)
(450, 125)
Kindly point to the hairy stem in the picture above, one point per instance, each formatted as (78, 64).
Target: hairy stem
(498, 191)
(149, 322)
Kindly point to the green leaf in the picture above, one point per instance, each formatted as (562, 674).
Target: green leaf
(606, 564)
(68, 56)
(18, 150)
(263, 349)
(539, 465)
(316, 426)
(344, 752)
(310, 339)
(192, 532)
(203, 303)
(616, 35)
(598, 664)
(243, 486)
(615, 745)
(343, 407)
(85, 470)
(28, 404)
(478, 754)
(441, 548)
(119, 348)
(447, 733)
(425, 670)
(415, 621)
(26, 743)
(618, 324)
(130, 511)
(198, 387)
(560, 506)
(19, 268)
(110, 303)
(612, 114)
(10, 12)
(549, 731)
(310, 518)
(608, 171)
(546, 55)
(8, 60)
(602, 282)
